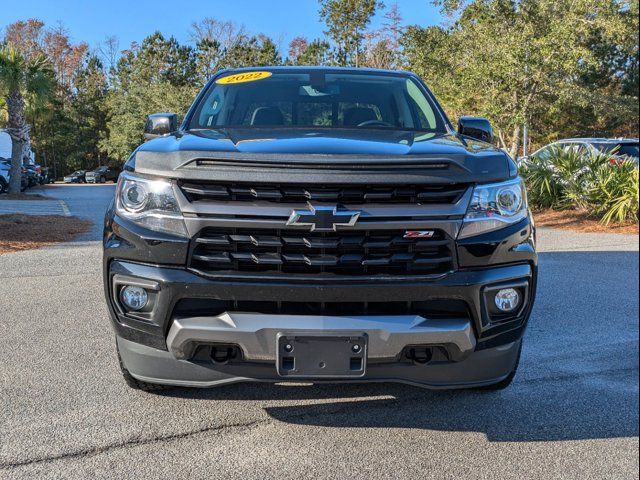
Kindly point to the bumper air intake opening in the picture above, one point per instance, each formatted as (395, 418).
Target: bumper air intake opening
(433, 309)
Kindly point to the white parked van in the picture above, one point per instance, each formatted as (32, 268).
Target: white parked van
(5, 148)
(5, 161)
(5, 145)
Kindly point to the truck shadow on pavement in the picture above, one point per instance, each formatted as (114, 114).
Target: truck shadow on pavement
(578, 377)
(545, 409)
(549, 407)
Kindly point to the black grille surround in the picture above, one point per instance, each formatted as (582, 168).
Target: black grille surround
(354, 253)
(351, 194)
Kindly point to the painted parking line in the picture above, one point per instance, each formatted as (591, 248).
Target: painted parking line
(65, 208)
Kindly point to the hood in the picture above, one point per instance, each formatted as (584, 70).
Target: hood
(354, 152)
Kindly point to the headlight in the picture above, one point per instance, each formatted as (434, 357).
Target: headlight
(495, 206)
(150, 204)
(134, 196)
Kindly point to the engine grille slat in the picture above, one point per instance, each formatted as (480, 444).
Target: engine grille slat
(353, 253)
(239, 192)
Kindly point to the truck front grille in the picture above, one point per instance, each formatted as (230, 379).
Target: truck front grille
(352, 194)
(352, 253)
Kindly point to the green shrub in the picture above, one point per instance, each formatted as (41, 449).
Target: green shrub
(573, 178)
(613, 192)
(544, 187)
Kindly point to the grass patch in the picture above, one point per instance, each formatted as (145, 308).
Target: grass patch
(28, 232)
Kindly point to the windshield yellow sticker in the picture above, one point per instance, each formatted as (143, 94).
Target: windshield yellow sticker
(243, 77)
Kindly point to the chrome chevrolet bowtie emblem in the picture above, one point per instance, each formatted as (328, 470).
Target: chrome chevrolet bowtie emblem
(323, 219)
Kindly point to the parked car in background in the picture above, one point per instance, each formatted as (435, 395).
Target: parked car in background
(5, 168)
(103, 174)
(618, 148)
(76, 177)
(39, 177)
(47, 176)
(32, 175)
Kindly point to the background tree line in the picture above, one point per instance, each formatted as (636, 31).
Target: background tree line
(559, 68)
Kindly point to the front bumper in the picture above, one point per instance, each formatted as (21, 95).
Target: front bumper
(484, 367)
(161, 346)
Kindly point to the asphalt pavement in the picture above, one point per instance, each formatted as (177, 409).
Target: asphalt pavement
(65, 412)
(85, 201)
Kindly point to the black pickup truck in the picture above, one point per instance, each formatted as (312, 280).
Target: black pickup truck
(319, 224)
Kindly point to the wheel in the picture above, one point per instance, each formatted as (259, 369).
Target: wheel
(134, 382)
(4, 186)
(103, 180)
(504, 383)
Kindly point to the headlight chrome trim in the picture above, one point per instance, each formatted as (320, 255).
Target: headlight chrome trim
(159, 211)
(484, 213)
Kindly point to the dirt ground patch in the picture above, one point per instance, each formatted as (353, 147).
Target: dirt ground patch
(26, 232)
(579, 222)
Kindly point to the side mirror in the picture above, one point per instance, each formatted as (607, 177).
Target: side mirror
(160, 124)
(476, 127)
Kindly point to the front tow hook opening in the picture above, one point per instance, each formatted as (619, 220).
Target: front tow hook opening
(223, 354)
(420, 355)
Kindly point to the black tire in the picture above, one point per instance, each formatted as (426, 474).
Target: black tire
(103, 180)
(4, 186)
(504, 383)
(138, 384)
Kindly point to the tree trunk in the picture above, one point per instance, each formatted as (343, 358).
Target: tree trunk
(18, 131)
(15, 172)
(515, 142)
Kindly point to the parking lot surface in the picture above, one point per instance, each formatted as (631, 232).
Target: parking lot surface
(65, 412)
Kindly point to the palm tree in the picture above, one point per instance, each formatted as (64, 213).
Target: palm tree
(21, 80)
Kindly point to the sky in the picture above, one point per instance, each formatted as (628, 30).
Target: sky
(92, 21)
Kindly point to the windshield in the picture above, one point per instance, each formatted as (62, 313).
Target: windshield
(628, 149)
(316, 98)
(78, 172)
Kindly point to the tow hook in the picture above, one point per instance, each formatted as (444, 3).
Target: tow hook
(223, 353)
(420, 355)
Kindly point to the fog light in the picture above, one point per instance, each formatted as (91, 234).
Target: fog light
(507, 300)
(134, 298)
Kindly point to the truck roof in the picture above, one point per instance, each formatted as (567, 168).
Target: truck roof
(599, 140)
(320, 68)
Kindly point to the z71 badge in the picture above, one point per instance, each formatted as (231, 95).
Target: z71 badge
(419, 234)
